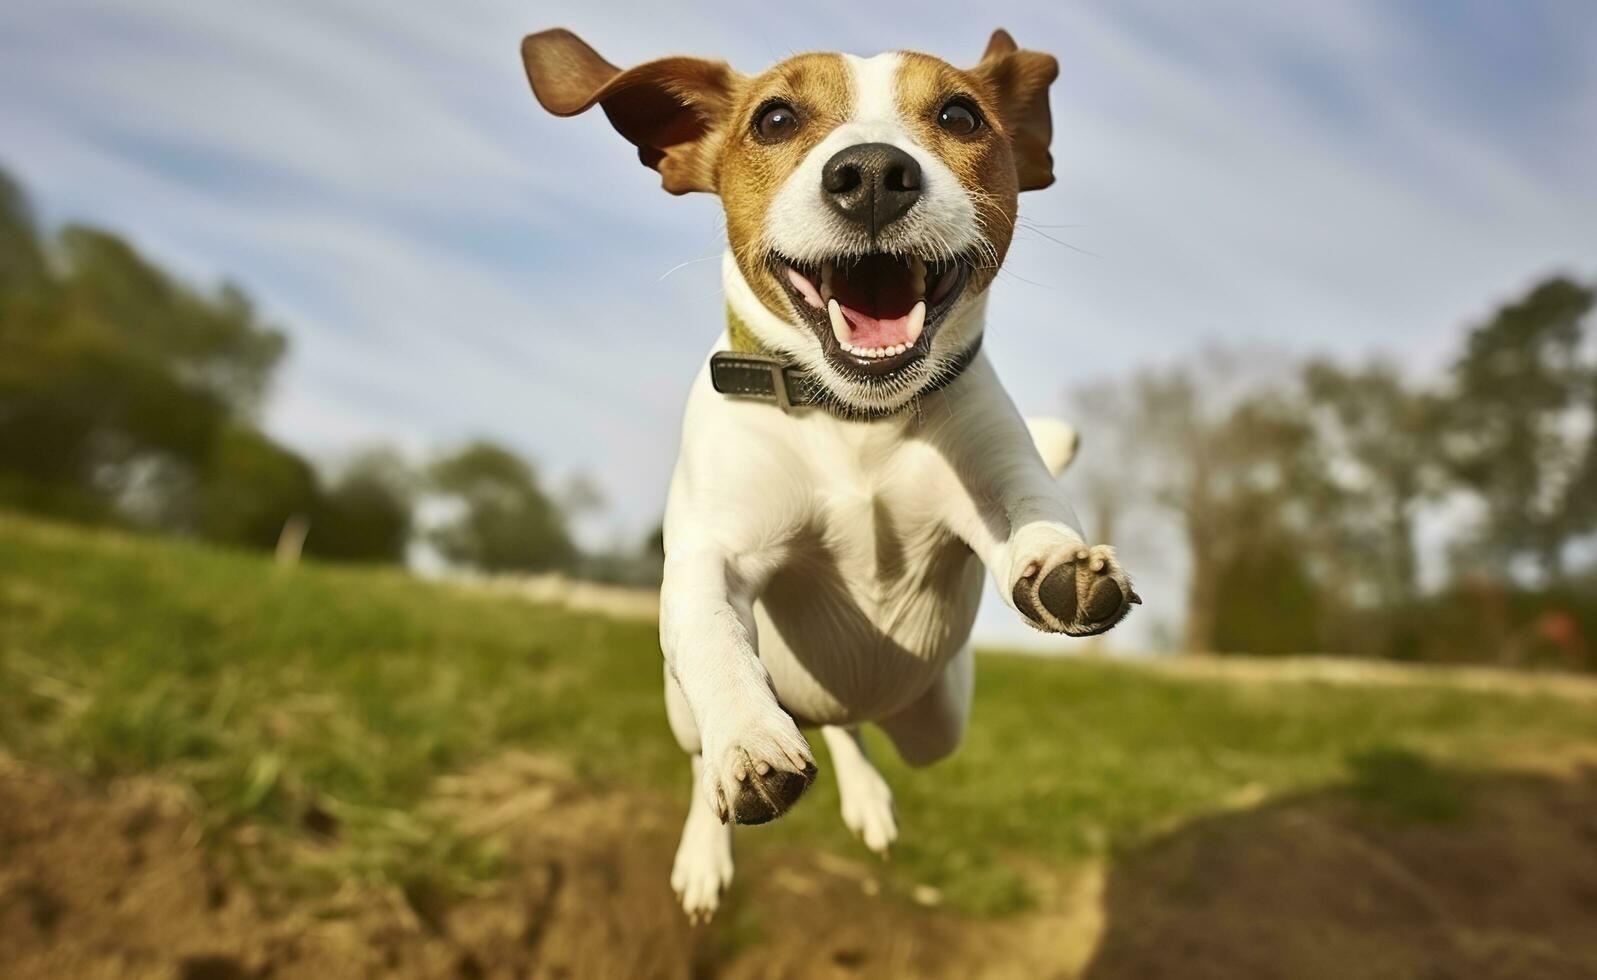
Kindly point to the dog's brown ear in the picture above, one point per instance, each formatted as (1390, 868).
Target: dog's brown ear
(1020, 79)
(673, 110)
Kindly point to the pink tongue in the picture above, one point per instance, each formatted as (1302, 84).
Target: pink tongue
(868, 331)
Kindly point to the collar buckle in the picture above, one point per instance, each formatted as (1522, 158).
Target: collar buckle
(779, 386)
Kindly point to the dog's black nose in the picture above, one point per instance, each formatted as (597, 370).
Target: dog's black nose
(871, 183)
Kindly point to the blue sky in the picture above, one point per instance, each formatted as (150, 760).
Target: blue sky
(1304, 177)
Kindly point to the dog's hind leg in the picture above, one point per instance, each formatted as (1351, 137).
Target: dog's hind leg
(931, 727)
(1056, 442)
(703, 865)
(867, 800)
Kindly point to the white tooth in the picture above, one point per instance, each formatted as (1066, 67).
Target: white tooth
(839, 325)
(826, 282)
(805, 287)
(917, 321)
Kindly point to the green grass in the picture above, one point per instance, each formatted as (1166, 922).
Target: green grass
(283, 697)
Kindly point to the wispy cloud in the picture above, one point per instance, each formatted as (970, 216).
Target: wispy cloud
(1338, 177)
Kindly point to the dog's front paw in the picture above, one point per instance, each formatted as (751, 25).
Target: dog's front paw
(759, 771)
(1062, 586)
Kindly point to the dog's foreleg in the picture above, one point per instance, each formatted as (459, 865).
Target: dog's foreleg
(755, 762)
(1015, 516)
(867, 799)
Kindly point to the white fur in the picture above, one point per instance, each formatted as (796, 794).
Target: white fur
(867, 799)
(830, 569)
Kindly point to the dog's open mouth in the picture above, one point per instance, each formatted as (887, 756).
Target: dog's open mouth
(874, 314)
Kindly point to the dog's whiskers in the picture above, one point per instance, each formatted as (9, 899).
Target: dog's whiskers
(683, 265)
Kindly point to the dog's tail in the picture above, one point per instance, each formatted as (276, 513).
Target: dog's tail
(1056, 441)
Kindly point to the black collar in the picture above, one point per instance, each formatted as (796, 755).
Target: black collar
(771, 379)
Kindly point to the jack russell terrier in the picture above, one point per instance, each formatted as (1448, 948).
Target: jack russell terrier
(850, 462)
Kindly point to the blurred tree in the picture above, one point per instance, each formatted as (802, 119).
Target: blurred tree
(580, 496)
(1108, 481)
(1379, 436)
(117, 385)
(81, 415)
(365, 514)
(249, 486)
(1239, 468)
(23, 270)
(1518, 428)
(127, 395)
(506, 521)
(1270, 495)
(214, 344)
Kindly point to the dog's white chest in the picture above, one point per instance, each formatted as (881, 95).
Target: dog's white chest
(858, 627)
(870, 597)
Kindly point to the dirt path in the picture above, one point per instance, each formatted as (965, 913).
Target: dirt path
(116, 883)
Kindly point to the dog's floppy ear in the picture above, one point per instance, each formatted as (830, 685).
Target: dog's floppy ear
(673, 110)
(1020, 79)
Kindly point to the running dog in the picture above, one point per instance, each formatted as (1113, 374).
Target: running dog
(850, 464)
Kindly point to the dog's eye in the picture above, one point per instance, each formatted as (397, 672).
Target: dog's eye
(960, 117)
(775, 122)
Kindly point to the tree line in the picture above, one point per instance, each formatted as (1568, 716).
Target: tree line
(1327, 507)
(128, 396)
(1321, 506)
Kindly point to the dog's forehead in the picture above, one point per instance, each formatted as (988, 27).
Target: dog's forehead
(853, 86)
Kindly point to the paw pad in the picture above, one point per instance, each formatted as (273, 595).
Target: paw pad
(1082, 593)
(763, 796)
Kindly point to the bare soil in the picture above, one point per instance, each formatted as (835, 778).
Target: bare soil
(116, 881)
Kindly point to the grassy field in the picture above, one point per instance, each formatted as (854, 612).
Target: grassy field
(289, 698)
